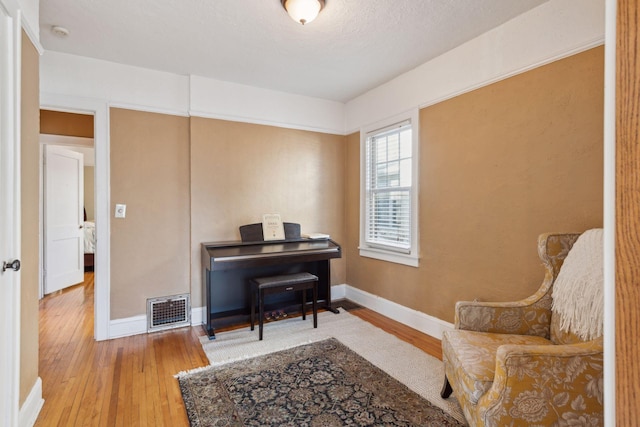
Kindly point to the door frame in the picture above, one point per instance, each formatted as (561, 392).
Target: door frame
(10, 107)
(609, 213)
(100, 111)
(61, 141)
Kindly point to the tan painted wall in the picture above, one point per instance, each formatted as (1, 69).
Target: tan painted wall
(70, 124)
(240, 171)
(29, 193)
(498, 166)
(150, 174)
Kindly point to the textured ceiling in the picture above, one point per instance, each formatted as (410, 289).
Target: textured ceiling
(352, 47)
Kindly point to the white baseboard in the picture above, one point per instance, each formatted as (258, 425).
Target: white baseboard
(415, 319)
(338, 292)
(197, 316)
(128, 326)
(136, 325)
(32, 405)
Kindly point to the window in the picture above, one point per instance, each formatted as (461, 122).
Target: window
(389, 208)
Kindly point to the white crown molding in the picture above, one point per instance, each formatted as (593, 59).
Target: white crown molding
(211, 98)
(555, 56)
(149, 109)
(114, 84)
(590, 44)
(32, 34)
(265, 122)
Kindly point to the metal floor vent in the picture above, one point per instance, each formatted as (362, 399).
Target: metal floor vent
(168, 312)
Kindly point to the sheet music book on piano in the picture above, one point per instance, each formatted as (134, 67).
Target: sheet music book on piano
(272, 227)
(316, 236)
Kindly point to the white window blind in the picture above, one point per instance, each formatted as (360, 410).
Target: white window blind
(388, 188)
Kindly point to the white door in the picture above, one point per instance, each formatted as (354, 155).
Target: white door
(63, 218)
(9, 212)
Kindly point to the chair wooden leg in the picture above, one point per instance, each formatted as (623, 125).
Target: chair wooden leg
(446, 388)
(261, 319)
(315, 305)
(304, 304)
(253, 308)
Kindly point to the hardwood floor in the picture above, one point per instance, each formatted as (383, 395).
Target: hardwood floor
(129, 381)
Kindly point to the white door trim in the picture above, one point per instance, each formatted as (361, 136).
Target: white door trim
(100, 110)
(610, 213)
(10, 68)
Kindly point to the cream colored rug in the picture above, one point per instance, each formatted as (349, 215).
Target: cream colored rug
(411, 366)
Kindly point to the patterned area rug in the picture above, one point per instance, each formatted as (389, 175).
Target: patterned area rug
(319, 384)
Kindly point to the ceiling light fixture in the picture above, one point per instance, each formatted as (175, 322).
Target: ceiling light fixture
(59, 31)
(303, 11)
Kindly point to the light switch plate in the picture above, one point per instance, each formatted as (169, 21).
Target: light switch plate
(121, 211)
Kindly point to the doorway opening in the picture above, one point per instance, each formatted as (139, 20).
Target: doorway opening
(67, 199)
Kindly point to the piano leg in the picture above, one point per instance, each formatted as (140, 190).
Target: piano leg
(206, 292)
(210, 332)
(327, 275)
(333, 310)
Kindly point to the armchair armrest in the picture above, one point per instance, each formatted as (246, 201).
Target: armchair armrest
(545, 383)
(529, 316)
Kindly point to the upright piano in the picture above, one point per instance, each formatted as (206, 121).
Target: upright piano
(228, 266)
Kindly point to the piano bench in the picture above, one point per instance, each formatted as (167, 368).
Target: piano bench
(284, 283)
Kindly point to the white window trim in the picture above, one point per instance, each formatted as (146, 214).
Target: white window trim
(370, 251)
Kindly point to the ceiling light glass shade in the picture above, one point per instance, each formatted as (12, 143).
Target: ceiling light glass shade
(303, 11)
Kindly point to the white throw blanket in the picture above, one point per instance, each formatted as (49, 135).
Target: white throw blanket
(89, 237)
(578, 290)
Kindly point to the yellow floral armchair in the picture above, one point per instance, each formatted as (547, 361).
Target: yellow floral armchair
(537, 361)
